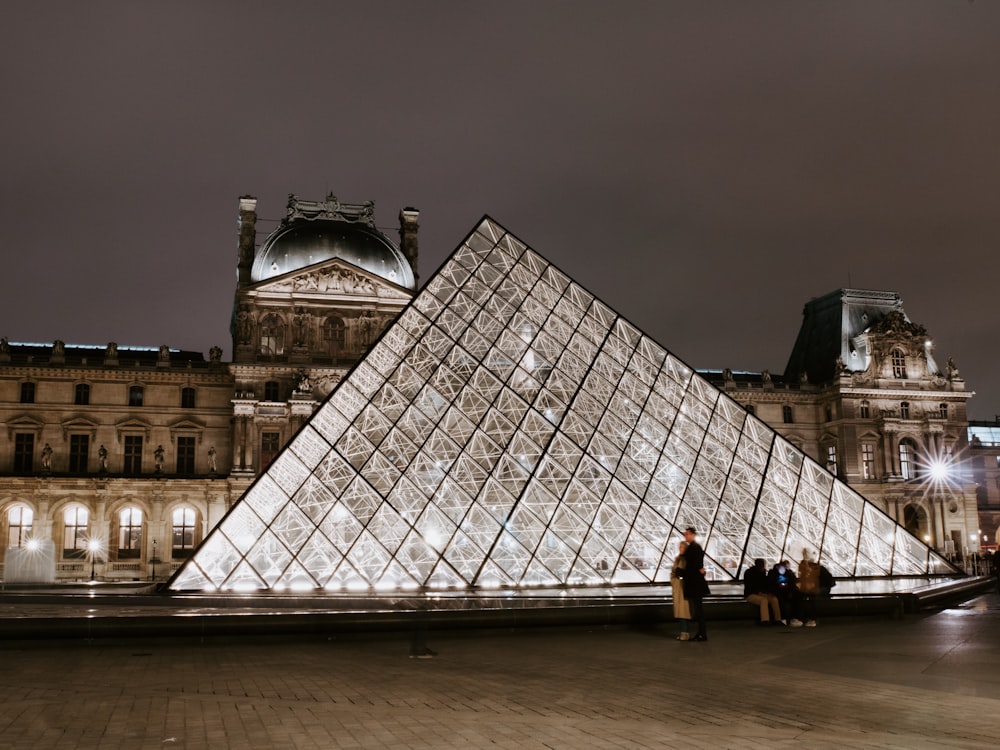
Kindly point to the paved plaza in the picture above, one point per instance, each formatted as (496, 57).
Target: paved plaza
(928, 680)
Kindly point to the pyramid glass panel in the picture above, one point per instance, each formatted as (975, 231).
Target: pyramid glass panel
(510, 429)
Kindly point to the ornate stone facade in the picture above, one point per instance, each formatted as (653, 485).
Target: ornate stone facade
(139, 451)
(863, 394)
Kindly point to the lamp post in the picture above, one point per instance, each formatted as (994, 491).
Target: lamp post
(93, 547)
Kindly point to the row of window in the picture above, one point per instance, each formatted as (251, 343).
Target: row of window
(864, 411)
(81, 395)
(272, 336)
(76, 534)
(80, 450)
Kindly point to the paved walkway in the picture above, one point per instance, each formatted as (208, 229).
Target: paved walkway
(926, 681)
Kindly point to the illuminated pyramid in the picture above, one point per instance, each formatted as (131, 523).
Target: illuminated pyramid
(510, 429)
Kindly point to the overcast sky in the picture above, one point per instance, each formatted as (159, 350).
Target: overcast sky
(705, 168)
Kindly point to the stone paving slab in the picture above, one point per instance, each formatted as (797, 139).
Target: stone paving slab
(924, 681)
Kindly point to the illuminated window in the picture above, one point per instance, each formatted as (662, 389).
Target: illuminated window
(19, 520)
(185, 455)
(904, 410)
(898, 360)
(183, 532)
(129, 533)
(135, 395)
(867, 461)
(865, 410)
(81, 397)
(268, 447)
(187, 398)
(786, 414)
(133, 454)
(27, 393)
(831, 459)
(271, 390)
(907, 459)
(79, 452)
(24, 451)
(75, 531)
(272, 336)
(333, 335)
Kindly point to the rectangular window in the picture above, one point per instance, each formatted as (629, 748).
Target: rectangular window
(271, 390)
(24, 451)
(786, 415)
(865, 410)
(79, 450)
(82, 395)
(867, 461)
(831, 459)
(135, 395)
(268, 447)
(904, 410)
(185, 455)
(27, 393)
(187, 398)
(133, 454)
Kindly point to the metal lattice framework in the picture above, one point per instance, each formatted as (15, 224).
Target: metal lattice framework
(510, 429)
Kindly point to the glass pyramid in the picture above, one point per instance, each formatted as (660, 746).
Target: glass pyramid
(510, 429)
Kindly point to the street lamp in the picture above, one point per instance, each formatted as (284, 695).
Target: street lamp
(93, 547)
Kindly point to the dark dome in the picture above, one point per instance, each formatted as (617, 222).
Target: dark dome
(304, 243)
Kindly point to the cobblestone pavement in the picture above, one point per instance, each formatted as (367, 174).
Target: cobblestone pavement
(929, 680)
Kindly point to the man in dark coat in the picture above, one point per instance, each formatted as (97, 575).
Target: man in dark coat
(695, 585)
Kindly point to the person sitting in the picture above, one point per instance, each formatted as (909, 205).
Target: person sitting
(782, 585)
(757, 591)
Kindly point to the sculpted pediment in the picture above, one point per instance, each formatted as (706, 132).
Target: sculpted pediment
(334, 277)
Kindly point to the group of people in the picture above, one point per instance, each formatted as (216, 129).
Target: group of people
(782, 596)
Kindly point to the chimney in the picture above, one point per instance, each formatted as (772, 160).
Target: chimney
(408, 227)
(248, 237)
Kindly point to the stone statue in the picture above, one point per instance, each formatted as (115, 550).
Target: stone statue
(102, 454)
(4, 346)
(305, 386)
(244, 326)
(300, 327)
(164, 352)
(727, 375)
(58, 348)
(215, 354)
(158, 458)
(112, 351)
(212, 465)
(46, 457)
(838, 365)
(765, 376)
(952, 369)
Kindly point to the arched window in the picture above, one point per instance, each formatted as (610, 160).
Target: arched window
(82, 395)
(183, 536)
(907, 459)
(272, 336)
(898, 359)
(333, 335)
(865, 410)
(75, 536)
(915, 520)
(187, 398)
(129, 533)
(904, 410)
(135, 394)
(19, 520)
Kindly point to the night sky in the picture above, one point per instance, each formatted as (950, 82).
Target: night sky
(705, 168)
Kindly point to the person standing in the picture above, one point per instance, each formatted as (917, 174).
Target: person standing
(695, 585)
(682, 610)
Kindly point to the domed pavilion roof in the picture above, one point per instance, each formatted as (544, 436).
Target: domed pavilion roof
(314, 232)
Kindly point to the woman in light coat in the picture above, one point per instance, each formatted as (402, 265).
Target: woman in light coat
(682, 612)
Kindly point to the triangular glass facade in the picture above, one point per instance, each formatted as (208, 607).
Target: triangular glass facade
(510, 429)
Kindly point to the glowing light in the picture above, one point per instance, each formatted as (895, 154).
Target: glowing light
(94, 545)
(32, 545)
(939, 471)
